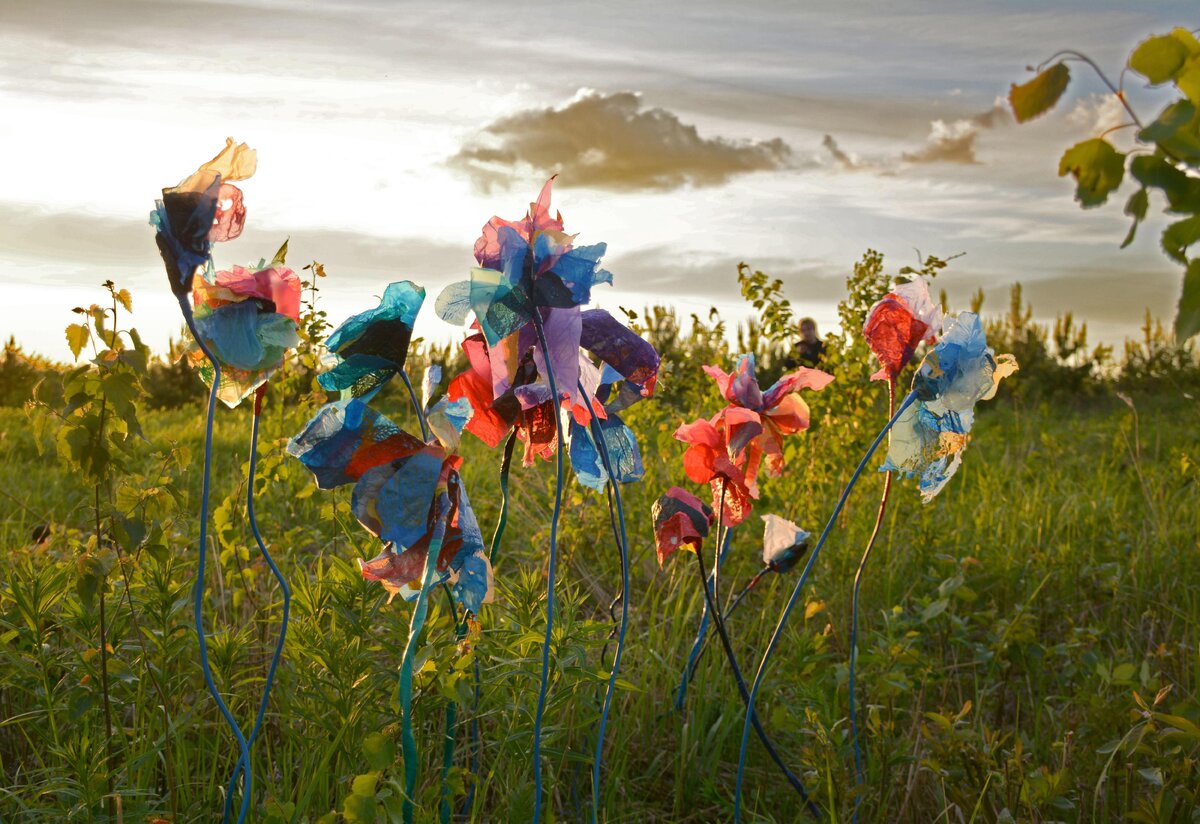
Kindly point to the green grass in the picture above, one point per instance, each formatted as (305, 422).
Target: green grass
(1013, 632)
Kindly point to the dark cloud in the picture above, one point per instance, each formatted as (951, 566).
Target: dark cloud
(609, 141)
(839, 156)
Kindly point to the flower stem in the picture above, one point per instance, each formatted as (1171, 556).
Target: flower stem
(862, 565)
(795, 596)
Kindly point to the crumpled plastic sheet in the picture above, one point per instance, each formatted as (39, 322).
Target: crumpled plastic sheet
(929, 437)
(371, 347)
(248, 319)
(204, 208)
(728, 450)
(623, 454)
(899, 323)
(784, 543)
(681, 521)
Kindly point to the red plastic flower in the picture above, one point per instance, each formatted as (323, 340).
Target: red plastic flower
(681, 521)
(897, 325)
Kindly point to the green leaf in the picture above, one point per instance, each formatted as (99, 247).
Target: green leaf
(1177, 237)
(1188, 80)
(122, 390)
(77, 338)
(1187, 318)
(1176, 131)
(125, 299)
(1039, 95)
(1124, 672)
(1159, 58)
(380, 750)
(1153, 171)
(281, 256)
(1136, 207)
(1097, 168)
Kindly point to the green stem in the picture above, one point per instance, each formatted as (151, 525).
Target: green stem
(408, 742)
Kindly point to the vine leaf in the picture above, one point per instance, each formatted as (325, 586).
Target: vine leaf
(1177, 237)
(77, 338)
(124, 298)
(1187, 320)
(1038, 96)
(1135, 208)
(1097, 168)
(1176, 131)
(1159, 58)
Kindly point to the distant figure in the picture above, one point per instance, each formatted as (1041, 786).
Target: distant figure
(811, 349)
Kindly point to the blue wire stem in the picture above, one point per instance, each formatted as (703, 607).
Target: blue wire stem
(795, 596)
(412, 395)
(451, 738)
(727, 645)
(862, 565)
(758, 576)
(701, 638)
(623, 547)
(408, 742)
(552, 568)
(198, 588)
(501, 522)
(287, 603)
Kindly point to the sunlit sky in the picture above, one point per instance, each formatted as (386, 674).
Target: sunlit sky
(688, 136)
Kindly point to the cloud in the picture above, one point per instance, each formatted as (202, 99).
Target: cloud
(840, 157)
(610, 141)
(948, 142)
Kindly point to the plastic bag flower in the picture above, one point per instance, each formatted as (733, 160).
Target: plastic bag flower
(930, 436)
(784, 543)
(727, 450)
(898, 323)
(204, 208)
(370, 348)
(398, 481)
(681, 521)
(248, 318)
(528, 266)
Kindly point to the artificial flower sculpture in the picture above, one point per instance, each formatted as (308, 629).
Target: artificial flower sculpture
(728, 450)
(243, 322)
(530, 359)
(249, 319)
(408, 492)
(900, 322)
(929, 432)
(930, 436)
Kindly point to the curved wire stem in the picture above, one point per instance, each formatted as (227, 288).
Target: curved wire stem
(243, 765)
(862, 565)
(732, 608)
(412, 395)
(408, 742)
(502, 520)
(614, 489)
(551, 569)
(791, 777)
(451, 739)
(795, 596)
(198, 588)
(493, 552)
(693, 660)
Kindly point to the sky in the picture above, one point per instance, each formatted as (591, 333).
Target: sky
(688, 136)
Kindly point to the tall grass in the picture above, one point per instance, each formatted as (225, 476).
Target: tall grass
(1015, 636)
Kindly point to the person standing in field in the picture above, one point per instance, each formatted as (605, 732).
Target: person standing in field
(810, 350)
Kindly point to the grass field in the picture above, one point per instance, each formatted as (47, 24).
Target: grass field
(1029, 649)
